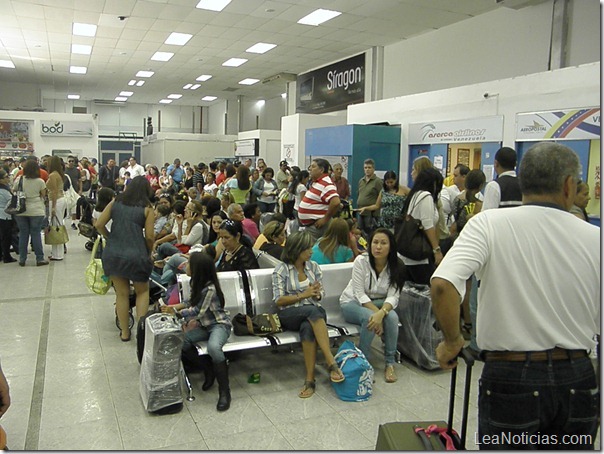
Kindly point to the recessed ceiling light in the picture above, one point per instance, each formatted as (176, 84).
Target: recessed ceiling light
(121, 98)
(186, 87)
(162, 56)
(78, 69)
(284, 95)
(318, 17)
(73, 96)
(249, 81)
(83, 49)
(234, 62)
(213, 5)
(178, 39)
(261, 103)
(261, 48)
(204, 77)
(174, 96)
(132, 82)
(195, 87)
(165, 101)
(83, 29)
(140, 83)
(6, 64)
(209, 98)
(144, 73)
(126, 93)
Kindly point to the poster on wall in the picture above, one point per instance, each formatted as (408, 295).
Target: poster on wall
(332, 87)
(15, 138)
(288, 153)
(65, 128)
(247, 147)
(559, 124)
(486, 129)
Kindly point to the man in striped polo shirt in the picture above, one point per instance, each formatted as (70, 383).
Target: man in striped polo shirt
(321, 202)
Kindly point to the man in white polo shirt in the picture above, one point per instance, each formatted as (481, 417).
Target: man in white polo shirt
(538, 309)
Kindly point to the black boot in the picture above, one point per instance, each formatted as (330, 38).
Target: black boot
(222, 375)
(208, 371)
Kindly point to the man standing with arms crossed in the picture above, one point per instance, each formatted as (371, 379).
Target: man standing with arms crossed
(369, 189)
(538, 311)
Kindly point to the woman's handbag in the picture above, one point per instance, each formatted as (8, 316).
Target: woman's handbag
(257, 325)
(71, 196)
(411, 240)
(56, 233)
(96, 280)
(16, 205)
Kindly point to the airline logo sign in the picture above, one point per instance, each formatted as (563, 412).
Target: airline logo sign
(65, 128)
(488, 129)
(559, 124)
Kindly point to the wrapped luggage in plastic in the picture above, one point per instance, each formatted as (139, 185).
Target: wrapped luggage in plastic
(160, 377)
(418, 336)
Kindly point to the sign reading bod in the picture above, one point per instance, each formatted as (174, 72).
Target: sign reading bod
(66, 128)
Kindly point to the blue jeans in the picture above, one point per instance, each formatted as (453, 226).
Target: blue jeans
(216, 335)
(166, 250)
(266, 207)
(536, 402)
(359, 315)
(30, 226)
(299, 318)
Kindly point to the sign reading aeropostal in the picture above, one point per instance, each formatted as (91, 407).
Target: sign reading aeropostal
(486, 129)
(332, 87)
(559, 124)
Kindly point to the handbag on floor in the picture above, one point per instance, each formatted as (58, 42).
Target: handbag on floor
(96, 280)
(16, 205)
(358, 385)
(56, 233)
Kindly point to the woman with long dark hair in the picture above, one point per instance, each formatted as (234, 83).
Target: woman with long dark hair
(237, 252)
(207, 312)
(390, 200)
(127, 255)
(240, 186)
(421, 204)
(372, 295)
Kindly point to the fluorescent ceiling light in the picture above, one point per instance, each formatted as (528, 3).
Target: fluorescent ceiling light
(73, 96)
(6, 64)
(132, 82)
(195, 87)
(162, 56)
(174, 96)
(83, 49)
(186, 87)
(261, 48)
(234, 62)
(318, 17)
(204, 77)
(261, 103)
(284, 95)
(140, 83)
(209, 98)
(126, 93)
(121, 98)
(249, 81)
(165, 101)
(144, 73)
(83, 29)
(178, 39)
(213, 5)
(78, 69)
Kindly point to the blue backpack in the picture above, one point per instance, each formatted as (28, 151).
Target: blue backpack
(358, 385)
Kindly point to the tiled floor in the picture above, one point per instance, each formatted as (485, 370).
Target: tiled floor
(75, 386)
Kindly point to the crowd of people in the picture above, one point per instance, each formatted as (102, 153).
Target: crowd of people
(205, 219)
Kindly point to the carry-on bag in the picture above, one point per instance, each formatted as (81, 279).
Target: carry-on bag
(430, 435)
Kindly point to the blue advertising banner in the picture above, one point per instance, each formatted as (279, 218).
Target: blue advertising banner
(332, 87)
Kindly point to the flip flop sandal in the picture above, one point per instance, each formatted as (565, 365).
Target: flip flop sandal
(335, 374)
(308, 389)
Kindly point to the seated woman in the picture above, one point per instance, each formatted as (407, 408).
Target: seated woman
(237, 254)
(193, 231)
(274, 232)
(207, 320)
(297, 292)
(334, 246)
(372, 295)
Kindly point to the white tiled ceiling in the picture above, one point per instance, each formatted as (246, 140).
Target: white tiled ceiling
(36, 36)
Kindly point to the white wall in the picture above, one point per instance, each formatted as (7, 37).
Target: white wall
(584, 32)
(269, 143)
(564, 88)
(216, 117)
(18, 96)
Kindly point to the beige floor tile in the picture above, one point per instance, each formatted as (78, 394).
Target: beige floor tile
(266, 439)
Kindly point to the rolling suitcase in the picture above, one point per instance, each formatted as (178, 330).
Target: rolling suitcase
(430, 435)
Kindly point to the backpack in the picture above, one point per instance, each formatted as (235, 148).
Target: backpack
(358, 385)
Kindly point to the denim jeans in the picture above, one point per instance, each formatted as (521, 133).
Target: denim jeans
(216, 335)
(166, 250)
(266, 207)
(533, 403)
(359, 315)
(30, 226)
(299, 318)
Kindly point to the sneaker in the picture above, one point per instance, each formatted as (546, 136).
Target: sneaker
(42, 263)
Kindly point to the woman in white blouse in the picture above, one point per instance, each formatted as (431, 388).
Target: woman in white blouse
(372, 295)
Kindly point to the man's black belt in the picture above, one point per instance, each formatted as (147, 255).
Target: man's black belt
(555, 354)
